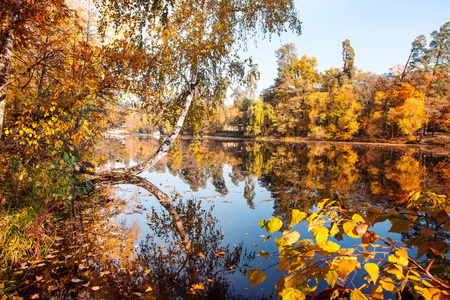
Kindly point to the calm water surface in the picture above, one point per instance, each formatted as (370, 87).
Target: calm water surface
(219, 191)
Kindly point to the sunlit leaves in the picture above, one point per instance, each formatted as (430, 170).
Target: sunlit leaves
(388, 266)
(274, 224)
(331, 277)
(329, 246)
(292, 294)
(255, 276)
(387, 284)
(289, 238)
(297, 217)
(356, 294)
(347, 265)
(320, 233)
(373, 271)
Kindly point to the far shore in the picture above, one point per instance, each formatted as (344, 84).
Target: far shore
(439, 144)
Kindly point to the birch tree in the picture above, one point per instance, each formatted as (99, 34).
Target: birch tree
(187, 54)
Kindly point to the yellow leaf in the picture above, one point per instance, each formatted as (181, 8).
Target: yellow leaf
(334, 229)
(149, 289)
(331, 276)
(273, 225)
(431, 293)
(346, 266)
(329, 246)
(146, 272)
(320, 233)
(387, 284)
(356, 294)
(373, 271)
(348, 229)
(292, 294)
(400, 257)
(357, 218)
(291, 237)
(255, 276)
(397, 272)
(297, 217)
(325, 202)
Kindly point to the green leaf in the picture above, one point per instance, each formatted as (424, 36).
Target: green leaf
(292, 294)
(273, 225)
(356, 294)
(297, 217)
(255, 276)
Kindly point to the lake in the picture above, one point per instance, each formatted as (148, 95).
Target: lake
(201, 242)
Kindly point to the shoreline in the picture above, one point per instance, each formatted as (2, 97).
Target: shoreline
(439, 144)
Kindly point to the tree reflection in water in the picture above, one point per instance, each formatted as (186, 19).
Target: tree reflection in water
(180, 268)
(186, 246)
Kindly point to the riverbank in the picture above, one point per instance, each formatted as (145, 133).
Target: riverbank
(439, 144)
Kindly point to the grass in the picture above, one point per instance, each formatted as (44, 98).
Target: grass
(26, 234)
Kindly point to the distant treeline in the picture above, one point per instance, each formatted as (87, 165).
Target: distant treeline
(340, 104)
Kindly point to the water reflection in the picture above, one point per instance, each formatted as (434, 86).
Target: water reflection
(206, 234)
(184, 269)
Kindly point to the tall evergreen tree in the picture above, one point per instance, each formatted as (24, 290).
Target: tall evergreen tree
(348, 54)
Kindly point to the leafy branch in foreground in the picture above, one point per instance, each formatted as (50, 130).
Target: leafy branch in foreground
(388, 266)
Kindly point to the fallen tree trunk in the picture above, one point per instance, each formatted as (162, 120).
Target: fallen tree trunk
(160, 195)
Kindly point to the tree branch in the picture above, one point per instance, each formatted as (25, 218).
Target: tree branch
(160, 153)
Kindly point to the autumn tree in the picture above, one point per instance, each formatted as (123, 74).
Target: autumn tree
(260, 116)
(21, 20)
(186, 53)
(406, 112)
(433, 63)
(334, 115)
(296, 79)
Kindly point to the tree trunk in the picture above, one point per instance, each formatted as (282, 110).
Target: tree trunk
(166, 203)
(160, 195)
(160, 153)
(7, 38)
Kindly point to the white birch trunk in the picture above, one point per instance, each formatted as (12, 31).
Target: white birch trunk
(160, 153)
(7, 38)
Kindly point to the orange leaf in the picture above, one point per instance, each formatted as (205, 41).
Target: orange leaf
(198, 286)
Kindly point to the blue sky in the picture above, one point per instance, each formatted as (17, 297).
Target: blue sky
(380, 32)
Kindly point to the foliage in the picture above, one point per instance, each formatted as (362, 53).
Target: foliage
(388, 266)
(348, 55)
(341, 104)
(334, 115)
(184, 43)
(260, 116)
(24, 232)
